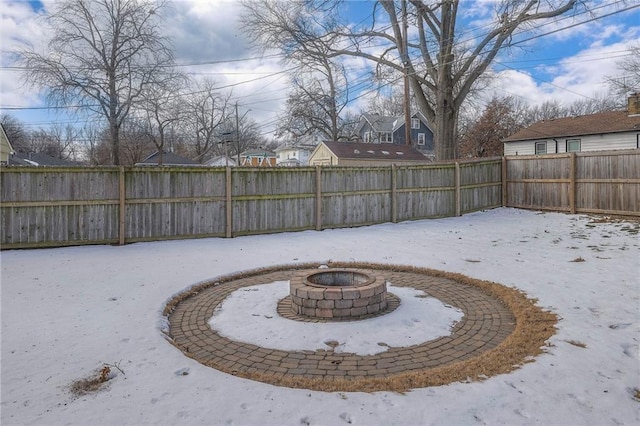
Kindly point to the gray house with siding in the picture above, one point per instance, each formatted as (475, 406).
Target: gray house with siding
(594, 132)
(375, 128)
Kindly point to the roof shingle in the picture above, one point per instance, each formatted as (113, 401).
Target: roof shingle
(593, 124)
(385, 151)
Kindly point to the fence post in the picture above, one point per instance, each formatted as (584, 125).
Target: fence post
(229, 203)
(572, 183)
(318, 199)
(122, 194)
(457, 185)
(394, 199)
(504, 182)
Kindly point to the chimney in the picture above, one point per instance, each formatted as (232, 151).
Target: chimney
(633, 105)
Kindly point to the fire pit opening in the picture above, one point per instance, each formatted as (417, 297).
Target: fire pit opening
(337, 294)
(339, 278)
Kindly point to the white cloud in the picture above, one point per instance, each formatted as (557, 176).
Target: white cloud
(577, 77)
(20, 27)
(208, 32)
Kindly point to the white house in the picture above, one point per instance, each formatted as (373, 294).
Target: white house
(5, 147)
(594, 132)
(292, 156)
(168, 159)
(222, 161)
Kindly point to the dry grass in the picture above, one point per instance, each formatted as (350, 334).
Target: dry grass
(576, 343)
(91, 384)
(578, 259)
(534, 326)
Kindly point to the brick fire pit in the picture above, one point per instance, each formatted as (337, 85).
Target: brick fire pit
(337, 293)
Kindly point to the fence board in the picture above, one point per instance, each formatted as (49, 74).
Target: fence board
(594, 182)
(55, 206)
(480, 185)
(58, 206)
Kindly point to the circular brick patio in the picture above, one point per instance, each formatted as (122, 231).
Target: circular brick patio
(487, 322)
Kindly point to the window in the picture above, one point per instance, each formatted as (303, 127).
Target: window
(385, 137)
(573, 145)
(541, 148)
(367, 137)
(421, 138)
(415, 123)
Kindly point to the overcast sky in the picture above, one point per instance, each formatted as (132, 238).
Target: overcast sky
(567, 65)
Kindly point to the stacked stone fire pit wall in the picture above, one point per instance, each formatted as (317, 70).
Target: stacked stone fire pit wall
(313, 296)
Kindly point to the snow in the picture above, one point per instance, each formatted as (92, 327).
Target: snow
(67, 311)
(249, 315)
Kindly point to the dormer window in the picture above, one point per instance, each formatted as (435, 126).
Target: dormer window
(415, 123)
(385, 137)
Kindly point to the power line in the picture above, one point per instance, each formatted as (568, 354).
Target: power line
(285, 71)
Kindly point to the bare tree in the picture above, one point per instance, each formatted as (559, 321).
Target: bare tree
(595, 104)
(629, 66)
(58, 141)
(442, 69)
(484, 137)
(320, 85)
(16, 132)
(552, 109)
(160, 109)
(548, 110)
(207, 111)
(103, 55)
(249, 135)
(391, 104)
(95, 141)
(312, 109)
(136, 144)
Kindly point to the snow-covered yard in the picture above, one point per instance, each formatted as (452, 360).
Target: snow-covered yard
(67, 311)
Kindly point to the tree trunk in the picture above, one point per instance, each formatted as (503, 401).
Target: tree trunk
(445, 128)
(445, 110)
(115, 141)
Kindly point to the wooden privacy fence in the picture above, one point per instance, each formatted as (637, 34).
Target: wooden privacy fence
(52, 206)
(586, 182)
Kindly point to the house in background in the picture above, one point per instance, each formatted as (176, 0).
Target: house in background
(5, 147)
(594, 132)
(257, 158)
(34, 159)
(380, 129)
(293, 155)
(365, 154)
(221, 161)
(168, 159)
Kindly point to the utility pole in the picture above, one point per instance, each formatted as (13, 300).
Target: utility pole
(237, 134)
(238, 129)
(226, 136)
(405, 62)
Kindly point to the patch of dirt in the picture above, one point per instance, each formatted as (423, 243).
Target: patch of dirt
(94, 383)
